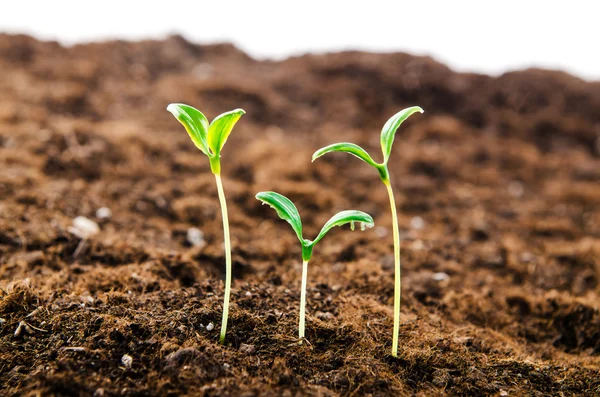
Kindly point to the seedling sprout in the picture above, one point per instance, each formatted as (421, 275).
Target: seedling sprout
(387, 139)
(288, 212)
(210, 139)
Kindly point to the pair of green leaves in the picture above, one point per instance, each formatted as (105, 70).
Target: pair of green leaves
(288, 212)
(209, 138)
(388, 132)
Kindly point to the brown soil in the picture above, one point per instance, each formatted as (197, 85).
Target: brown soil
(504, 172)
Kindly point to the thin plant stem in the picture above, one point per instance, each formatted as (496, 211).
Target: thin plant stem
(227, 258)
(303, 299)
(397, 278)
(80, 247)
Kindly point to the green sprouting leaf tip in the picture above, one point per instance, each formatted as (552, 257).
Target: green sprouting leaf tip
(221, 127)
(174, 109)
(388, 131)
(345, 147)
(346, 217)
(285, 209)
(194, 122)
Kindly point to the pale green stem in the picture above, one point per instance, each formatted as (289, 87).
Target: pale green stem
(303, 299)
(397, 279)
(227, 258)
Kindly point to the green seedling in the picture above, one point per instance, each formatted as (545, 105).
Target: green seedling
(387, 139)
(210, 139)
(288, 212)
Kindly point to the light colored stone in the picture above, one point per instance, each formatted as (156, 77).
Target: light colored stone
(417, 223)
(127, 361)
(84, 228)
(195, 237)
(103, 213)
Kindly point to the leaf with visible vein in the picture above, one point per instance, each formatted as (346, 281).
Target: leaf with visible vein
(343, 218)
(221, 127)
(195, 124)
(346, 147)
(391, 126)
(285, 209)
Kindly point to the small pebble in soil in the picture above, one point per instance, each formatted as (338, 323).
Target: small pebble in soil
(417, 245)
(103, 213)
(127, 360)
(417, 223)
(161, 202)
(226, 366)
(516, 189)
(248, 294)
(195, 237)
(244, 348)
(503, 393)
(381, 231)
(440, 276)
(83, 227)
(210, 327)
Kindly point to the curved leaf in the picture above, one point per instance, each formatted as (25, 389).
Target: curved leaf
(195, 124)
(348, 148)
(345, 217)
(389, 129)
(285, 209)
(221, 127)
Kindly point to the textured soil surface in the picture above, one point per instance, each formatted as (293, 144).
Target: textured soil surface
(498, 190)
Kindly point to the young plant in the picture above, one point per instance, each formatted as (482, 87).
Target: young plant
(387, 139)
(210, 139)
(288, 212)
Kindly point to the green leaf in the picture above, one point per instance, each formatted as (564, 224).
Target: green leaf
(348, 148)
(221, 127)
(343, 218)
(285, 209)
(389, 129)
(195, 124)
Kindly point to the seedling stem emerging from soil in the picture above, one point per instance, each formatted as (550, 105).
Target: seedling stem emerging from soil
(387, 139)
(210, 139)
(288, 212)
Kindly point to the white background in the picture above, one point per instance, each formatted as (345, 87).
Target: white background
(482, 36)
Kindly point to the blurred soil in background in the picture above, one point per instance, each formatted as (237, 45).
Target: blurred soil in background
(498, 190)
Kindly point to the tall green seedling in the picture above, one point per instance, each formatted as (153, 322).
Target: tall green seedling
(387, 139)
(288, 212)
(210, 139)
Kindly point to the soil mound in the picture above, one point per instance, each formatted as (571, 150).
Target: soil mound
(498, 189)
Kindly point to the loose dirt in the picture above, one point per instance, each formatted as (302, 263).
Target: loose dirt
(498, 189)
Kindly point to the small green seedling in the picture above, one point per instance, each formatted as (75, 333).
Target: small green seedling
(288, 212)
(210, 139)
(387, 139)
